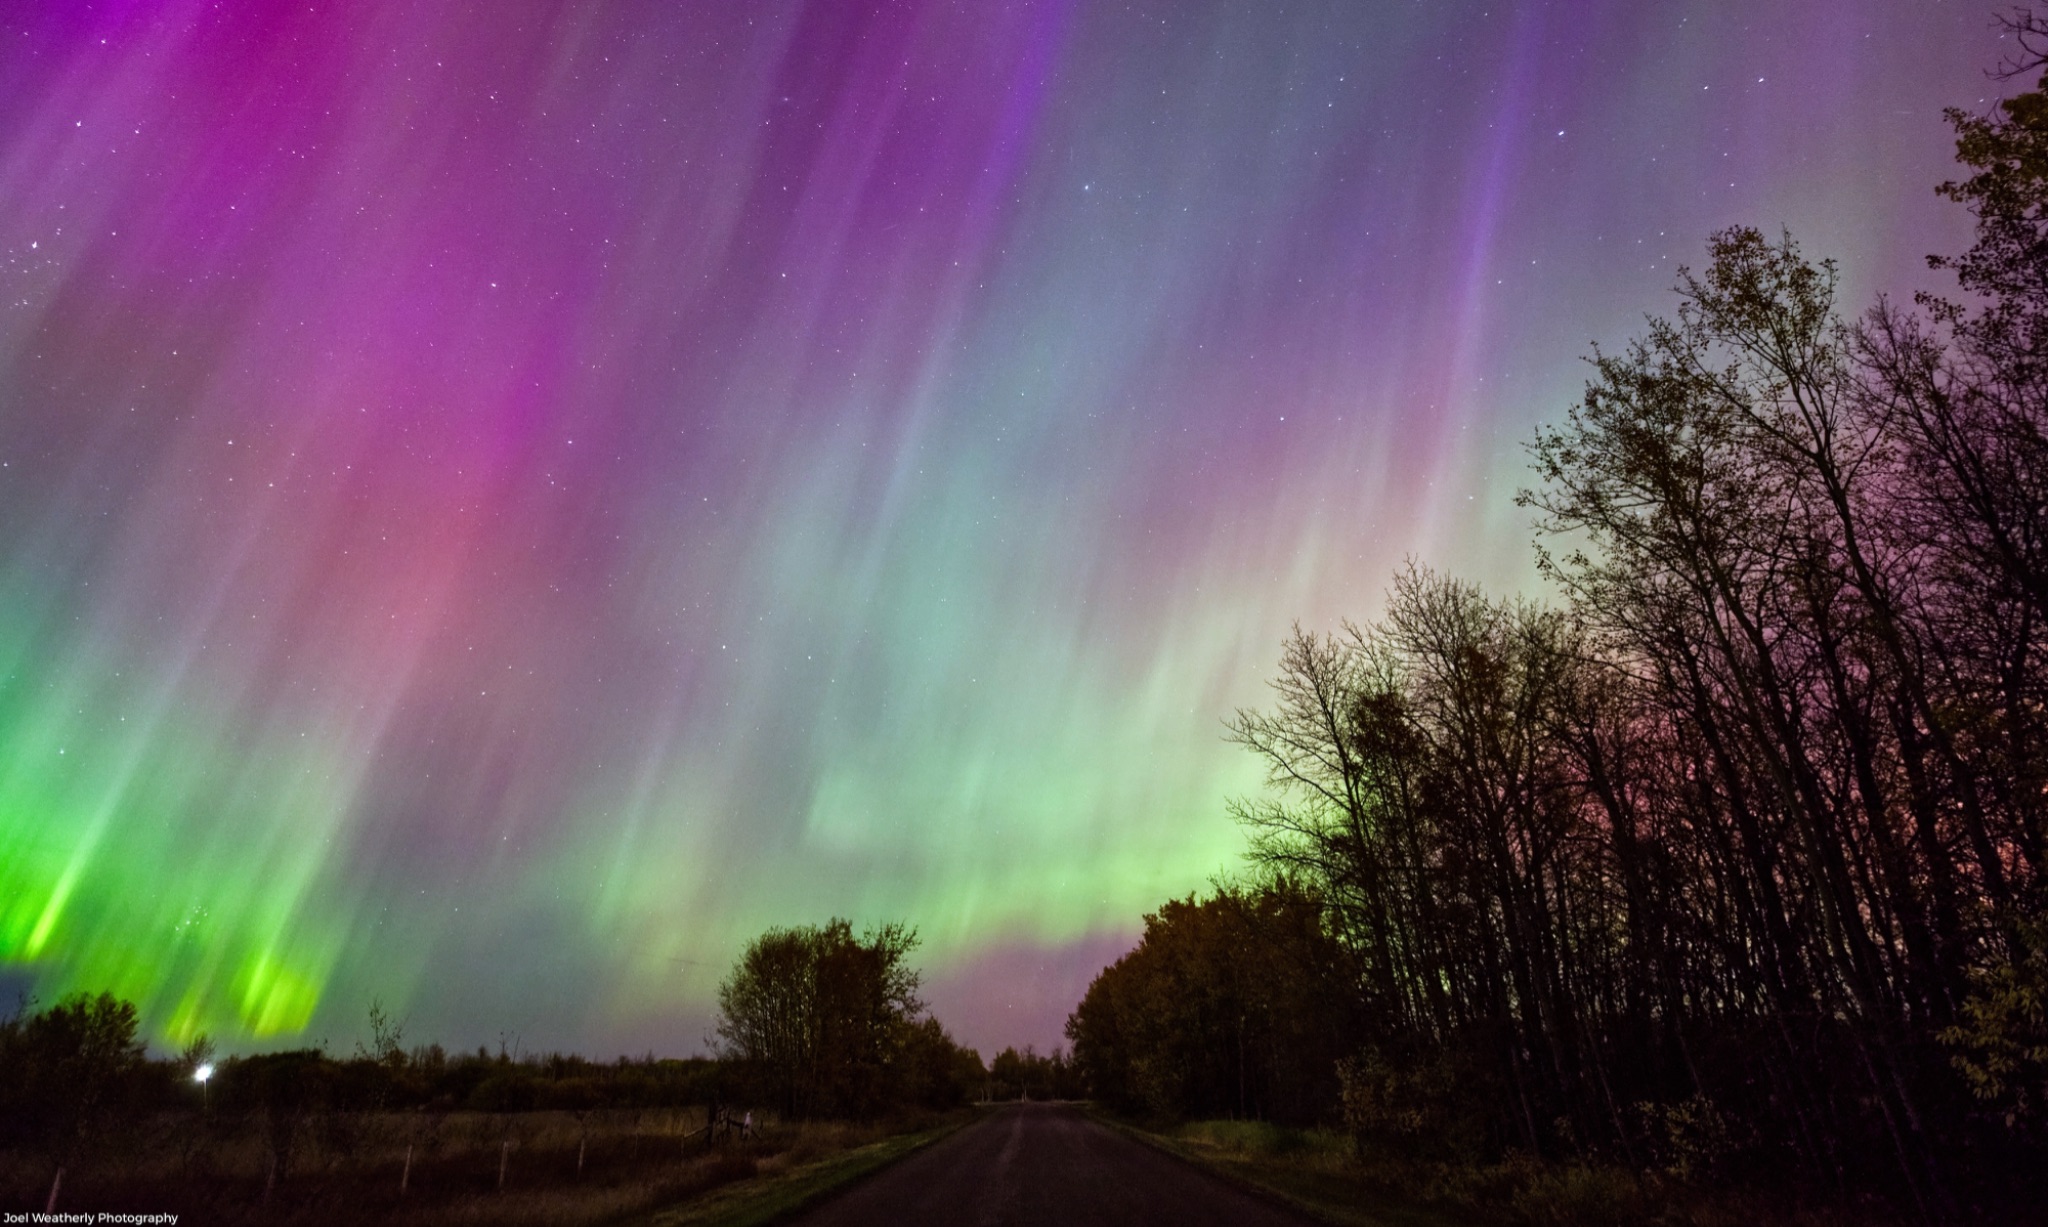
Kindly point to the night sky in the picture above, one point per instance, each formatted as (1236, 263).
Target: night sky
(505, 501)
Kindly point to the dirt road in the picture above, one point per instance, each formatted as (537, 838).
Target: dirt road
(1044, 1164)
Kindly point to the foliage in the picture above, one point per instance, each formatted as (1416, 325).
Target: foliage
(1028, 1075)
(2000, 1042)
(65, 1068)
(1418, 1106)
(832, 1025)
(931, 1070)
(1230, 1005)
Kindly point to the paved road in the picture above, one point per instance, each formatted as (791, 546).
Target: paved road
(1037, 1165)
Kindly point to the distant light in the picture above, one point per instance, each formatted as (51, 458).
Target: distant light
(202, 1073)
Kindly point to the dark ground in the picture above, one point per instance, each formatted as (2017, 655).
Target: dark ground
(1044, 1164)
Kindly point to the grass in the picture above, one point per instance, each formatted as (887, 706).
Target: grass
(781, 1191)
(1309, 1170)
(348, 1167)
(1322, 1174)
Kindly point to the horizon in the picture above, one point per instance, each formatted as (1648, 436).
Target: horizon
(507, 511)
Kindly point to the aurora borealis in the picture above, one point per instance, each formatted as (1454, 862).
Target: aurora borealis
(505, 501)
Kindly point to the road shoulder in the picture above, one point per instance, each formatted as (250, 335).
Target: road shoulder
(1324, 1196)
(776, 1196)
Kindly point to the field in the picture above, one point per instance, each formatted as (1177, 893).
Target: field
(554, 1168)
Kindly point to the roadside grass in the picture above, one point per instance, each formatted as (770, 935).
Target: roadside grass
(1310, 1170)
(1322, 1173)
(787, 1184)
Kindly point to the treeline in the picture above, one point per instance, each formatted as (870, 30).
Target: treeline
(1032, 1075)
(1736, 852)
(67, 1069)
(76, 1074)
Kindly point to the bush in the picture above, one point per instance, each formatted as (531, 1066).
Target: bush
(1578, 1195)
(509, 1090)
(64, 1070)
